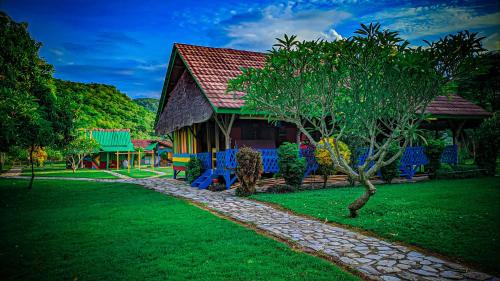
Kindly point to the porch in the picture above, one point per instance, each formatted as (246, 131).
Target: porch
(223, 163)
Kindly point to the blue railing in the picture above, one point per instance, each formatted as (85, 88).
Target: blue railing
(413, 157)
(205, 159)
(450, 155)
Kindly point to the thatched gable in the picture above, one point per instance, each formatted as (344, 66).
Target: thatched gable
(186, 105)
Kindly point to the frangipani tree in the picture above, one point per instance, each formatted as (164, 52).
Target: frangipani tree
(372, 87)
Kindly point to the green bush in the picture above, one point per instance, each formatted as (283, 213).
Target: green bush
(193, 169)
(390, 171)
(291, 166)
(433, 150)
(458, 172)
(488, 144)
(248, 170)
(281, 188)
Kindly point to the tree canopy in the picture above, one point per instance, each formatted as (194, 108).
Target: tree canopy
(371, 89)
(104, 106)
(29, 107)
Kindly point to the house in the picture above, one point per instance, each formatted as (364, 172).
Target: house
(162, 149)
(115, 145)
(196, 111)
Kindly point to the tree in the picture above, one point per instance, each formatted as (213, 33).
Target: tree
(372, 87)
(28, 102)
(77, 149)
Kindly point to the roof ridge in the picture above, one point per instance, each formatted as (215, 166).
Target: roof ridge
(219, 48)
(109, 130)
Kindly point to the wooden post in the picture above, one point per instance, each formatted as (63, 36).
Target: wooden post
(107, 160)
(139, 160)
(117, 161)
(216, 128)
(225, 126)
(128, 162)
(153, 157)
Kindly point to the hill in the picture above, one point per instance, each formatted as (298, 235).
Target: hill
(150, 104)
(103, 106)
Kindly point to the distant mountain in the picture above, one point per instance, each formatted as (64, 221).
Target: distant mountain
(103, 106)
(150, 104)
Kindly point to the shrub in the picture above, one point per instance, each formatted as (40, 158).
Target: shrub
(324, 158)
(281, 188)
(488, 144)
(248, 170)
(458, 172)
(433, 151)
(391, 171)
(193, 169)
(39, 156)
(291, 166)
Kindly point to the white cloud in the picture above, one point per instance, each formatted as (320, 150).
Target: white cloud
(146, 94)
(278, 20)
(418, 22)
(152, 67)
(57, 52)
(492, 42)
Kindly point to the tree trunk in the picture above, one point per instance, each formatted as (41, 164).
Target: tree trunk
(32, 168)
(325, 180)
(355, 206)
(227, 140)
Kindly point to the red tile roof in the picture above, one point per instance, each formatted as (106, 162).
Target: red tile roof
(454, 105)
(145, 143)
(213, 67)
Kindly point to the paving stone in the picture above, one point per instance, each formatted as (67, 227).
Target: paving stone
(389, 278)
(423, 272)
(451, 275)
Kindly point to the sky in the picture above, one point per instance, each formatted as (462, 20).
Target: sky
(127, 43)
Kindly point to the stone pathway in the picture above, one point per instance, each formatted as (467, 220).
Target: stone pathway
(118, 175)
(373, 257)
(13, 172)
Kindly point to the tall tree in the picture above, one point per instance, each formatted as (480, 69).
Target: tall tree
(28, 102)
(372, 87)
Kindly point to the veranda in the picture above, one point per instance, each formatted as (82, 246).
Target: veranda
(224, 163)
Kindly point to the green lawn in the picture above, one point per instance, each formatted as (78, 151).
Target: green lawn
(59, 170)
(67, 230)
(136, 173)
(459, 218)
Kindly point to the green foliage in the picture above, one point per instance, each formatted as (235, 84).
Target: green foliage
(103, 106)
(488, 144)
(291, 166)
(17, 153)
(248, 170)
(281, 188)
(447, 171)
(54, 154)
(29, 108)
(193, 169)
(482, 89)
(150, 104)
(391, 171)
(433, 151)
(78, 148)
(457, 218)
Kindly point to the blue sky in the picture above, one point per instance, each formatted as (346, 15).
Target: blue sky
(127, 43)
